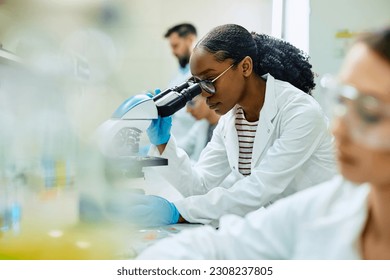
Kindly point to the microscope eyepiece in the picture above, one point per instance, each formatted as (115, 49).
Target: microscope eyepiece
(174, 99)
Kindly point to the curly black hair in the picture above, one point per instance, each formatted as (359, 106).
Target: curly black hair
(269, 55)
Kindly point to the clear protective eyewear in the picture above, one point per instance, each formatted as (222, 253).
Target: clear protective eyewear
(208, 85)
(368, 118)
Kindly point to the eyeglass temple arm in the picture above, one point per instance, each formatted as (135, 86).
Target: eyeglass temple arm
(213, 80)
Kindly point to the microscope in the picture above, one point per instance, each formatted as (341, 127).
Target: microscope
(119, 137)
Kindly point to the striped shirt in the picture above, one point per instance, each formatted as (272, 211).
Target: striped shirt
(246, 132)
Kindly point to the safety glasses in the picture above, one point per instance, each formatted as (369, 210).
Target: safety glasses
(367, 118)
(208, 85)
(367, 108)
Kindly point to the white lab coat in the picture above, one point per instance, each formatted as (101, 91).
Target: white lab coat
(324, 222)
(292, 151)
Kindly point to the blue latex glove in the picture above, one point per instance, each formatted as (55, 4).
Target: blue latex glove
(159, 130)
(143, 210)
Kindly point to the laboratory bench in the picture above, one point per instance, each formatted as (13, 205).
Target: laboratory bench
(83, 242)
(50, 228)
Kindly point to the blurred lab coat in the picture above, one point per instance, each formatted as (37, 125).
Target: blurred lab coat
(323, 222)
(292, 151)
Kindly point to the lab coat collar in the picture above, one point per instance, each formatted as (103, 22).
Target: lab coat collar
(232, 140)
(270, 107)
(265, 126)
(267, 114)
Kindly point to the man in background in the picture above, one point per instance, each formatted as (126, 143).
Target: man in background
(182, 38)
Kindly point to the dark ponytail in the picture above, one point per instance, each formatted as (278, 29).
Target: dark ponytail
(283, 61)
(269, 55)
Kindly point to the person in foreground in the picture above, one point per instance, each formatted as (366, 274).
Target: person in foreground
(344, 218)
(272, 139)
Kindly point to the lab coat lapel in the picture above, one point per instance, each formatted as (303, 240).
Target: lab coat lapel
(265, 127)
(231, 139)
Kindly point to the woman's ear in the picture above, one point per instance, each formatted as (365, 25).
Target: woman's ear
(247, 66)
